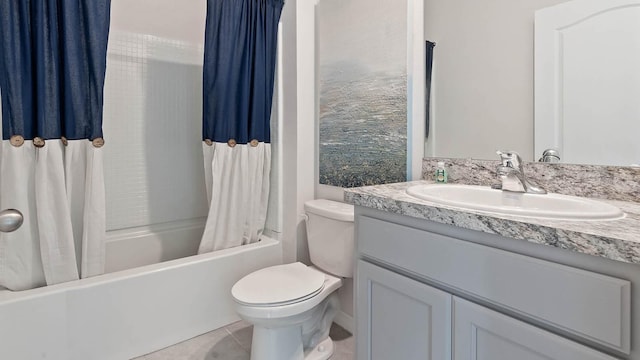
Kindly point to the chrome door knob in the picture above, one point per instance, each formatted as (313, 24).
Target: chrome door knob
(10, 220)
(550, 156)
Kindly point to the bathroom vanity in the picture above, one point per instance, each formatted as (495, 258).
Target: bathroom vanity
(437, 282)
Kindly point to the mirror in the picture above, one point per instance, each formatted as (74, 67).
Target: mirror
(483, 79)
(587, 82)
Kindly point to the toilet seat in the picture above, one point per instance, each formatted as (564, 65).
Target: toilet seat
(278, 285)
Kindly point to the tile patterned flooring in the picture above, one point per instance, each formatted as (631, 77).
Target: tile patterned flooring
(233, 342)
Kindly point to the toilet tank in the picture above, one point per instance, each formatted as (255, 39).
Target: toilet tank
(330, 234)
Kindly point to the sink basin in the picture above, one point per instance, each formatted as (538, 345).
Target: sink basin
(549, 206)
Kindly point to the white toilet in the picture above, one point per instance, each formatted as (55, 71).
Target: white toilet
(292, 306)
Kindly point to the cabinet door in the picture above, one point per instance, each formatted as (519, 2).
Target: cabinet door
(399, 318)
(483, 334)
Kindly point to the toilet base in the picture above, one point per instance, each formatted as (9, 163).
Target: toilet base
(283, 343)
(286, 344)
(322, 351)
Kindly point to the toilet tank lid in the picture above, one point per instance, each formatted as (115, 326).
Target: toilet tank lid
(330, 209)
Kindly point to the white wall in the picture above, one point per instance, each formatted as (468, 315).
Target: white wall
(483, 76)
(289, 45)
(306, 114)
(169, 19)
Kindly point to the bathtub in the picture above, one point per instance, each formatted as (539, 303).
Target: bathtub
(131, 311)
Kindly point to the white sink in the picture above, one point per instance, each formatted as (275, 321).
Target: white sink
(481, 198)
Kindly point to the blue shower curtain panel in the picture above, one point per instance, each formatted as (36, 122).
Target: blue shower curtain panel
(52, 67)
(52, 72)
(239, 65)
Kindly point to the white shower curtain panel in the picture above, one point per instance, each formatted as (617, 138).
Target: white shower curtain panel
(237, 180)
(60, 191)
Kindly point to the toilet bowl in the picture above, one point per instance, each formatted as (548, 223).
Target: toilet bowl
(279, 319)
(292, 306)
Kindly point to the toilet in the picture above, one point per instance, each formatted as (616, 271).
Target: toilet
(292, 306)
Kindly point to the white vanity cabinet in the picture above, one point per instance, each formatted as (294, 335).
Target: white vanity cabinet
(425, 291)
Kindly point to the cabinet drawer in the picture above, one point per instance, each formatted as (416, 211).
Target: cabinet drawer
(589, 305)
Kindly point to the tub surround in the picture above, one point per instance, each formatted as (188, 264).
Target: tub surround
(602, 182)
(613, 239)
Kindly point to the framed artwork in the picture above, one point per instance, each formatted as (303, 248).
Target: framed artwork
(363, 91)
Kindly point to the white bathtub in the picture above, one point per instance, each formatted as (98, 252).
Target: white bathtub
(132, 312)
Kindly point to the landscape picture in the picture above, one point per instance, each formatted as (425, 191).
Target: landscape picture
(362, 76)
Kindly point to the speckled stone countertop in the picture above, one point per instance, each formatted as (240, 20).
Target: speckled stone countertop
(613, 239)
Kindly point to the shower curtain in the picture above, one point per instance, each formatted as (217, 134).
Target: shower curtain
(239, 66)
(52, 68)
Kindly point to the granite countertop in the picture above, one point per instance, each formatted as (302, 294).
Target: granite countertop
(612, 239)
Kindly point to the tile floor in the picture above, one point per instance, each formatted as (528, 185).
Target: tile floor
(233, 342)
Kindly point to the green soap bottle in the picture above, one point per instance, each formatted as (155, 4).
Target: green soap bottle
(441, 173)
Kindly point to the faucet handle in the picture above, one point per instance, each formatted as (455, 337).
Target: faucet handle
(510, 159)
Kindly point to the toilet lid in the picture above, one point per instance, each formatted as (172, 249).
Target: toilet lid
(277, 285)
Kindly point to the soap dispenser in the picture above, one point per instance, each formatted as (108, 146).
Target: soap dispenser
(441, 173)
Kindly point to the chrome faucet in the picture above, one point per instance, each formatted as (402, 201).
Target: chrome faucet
(511, 174)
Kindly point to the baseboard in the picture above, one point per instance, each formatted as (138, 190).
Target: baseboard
(346, 321)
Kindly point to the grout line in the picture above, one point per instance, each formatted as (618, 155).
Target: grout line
(248, 351)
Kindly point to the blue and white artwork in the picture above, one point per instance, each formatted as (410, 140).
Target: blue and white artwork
(362, 73)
